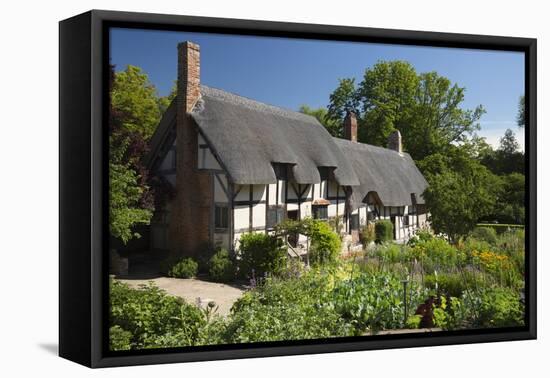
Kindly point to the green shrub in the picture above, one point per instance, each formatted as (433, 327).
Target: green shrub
(392, 253)
(383, 230)
(291, 309)
(261, 254)
(375, 302)
(367, 234)
(220, 267)
(485, 234)
(500, 307)
(484, 308)
(119, 339)
(437, 254)
(151, 317)
(420, 235)
(185, 268)
(325, 244)
(413, 321)
(454, 284)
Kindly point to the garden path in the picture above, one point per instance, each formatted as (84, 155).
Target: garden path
(190, 289)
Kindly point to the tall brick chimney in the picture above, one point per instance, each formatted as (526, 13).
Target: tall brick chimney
(394, 141)
(350, 126)
(189, 228)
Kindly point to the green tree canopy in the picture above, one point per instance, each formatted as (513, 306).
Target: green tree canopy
(133, 94)
(425, 108)
(509, 143)
(130, 199)
(458, 198)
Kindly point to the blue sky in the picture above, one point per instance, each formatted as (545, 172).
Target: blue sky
(292, 72)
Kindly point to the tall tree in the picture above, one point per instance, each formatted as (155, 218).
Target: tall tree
(343, 99)
(509, 143)
(134, 95)
(461, 192)
(425, 108)
(130, 198)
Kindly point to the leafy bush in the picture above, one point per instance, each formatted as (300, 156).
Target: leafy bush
(437, 254)
(367, 234)
(486, 234)
(220, 266)
(500, 307)
(454, 284)
(292, 309)
(325, 244)
(261, 254)
(151, 317)
(420, 235)
(484, 308)
(383, 230)
(119, 339)
(375, 302)
(185, 268)
(392, 253)
(413, 321)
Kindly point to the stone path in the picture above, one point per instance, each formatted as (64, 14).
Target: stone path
(190, 289)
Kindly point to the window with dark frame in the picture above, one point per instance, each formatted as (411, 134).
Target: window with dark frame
(221, 217)
(320, 212)
(275, 215)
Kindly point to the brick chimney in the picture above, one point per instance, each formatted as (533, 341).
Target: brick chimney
(350, 126)
(394, 141)
(189, 228)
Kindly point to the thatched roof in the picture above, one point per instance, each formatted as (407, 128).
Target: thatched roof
(392, 175)
(248, 136)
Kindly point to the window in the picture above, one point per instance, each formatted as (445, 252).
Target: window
(275, 215)
(221, 216)
(354, 222)
(320, 211)
(324, 173)
(280, 171)
(406, 221)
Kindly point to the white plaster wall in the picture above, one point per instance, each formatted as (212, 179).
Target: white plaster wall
(243, 193)
(241, 214)
(272, 197)
(258, 215)
(219, 194)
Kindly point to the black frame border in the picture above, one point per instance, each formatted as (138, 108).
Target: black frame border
(83, 260)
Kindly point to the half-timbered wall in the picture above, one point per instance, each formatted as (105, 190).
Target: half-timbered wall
(248, 205)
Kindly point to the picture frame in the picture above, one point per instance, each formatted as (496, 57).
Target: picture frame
(83, 209)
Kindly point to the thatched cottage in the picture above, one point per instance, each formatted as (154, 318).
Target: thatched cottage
(238, 165)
